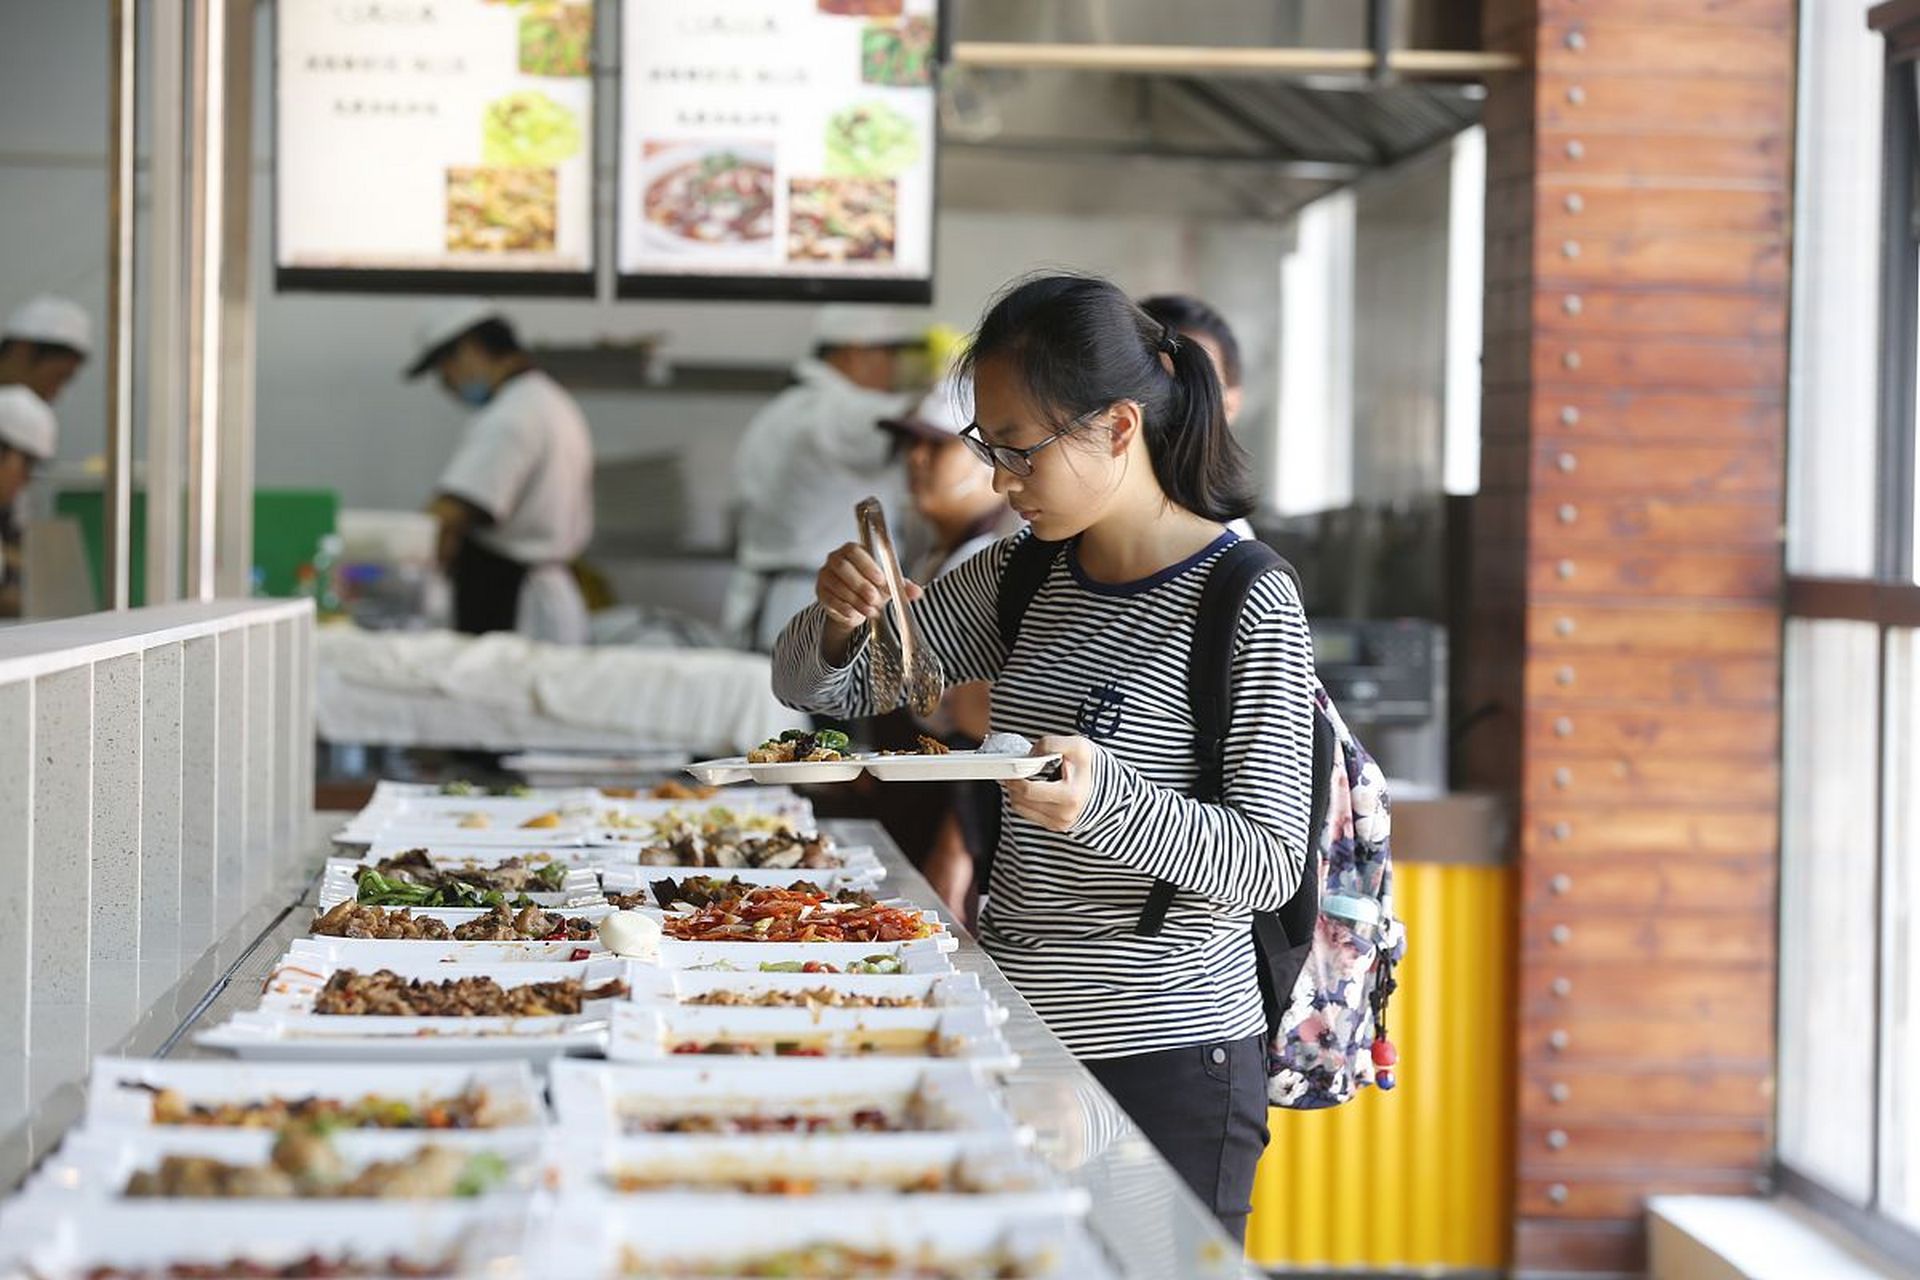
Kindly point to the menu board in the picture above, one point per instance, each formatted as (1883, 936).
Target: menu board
(434, 145)
(777, 149)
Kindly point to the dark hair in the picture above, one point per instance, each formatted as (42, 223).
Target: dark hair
(1079, 344)
(38, 351)
(1184, 313)
(494, 336)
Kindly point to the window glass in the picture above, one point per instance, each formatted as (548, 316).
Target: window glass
(1900, 991)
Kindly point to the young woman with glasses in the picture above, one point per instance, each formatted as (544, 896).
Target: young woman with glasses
(1106, 433)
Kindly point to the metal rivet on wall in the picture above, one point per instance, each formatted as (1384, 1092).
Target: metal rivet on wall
(1571, 359)
(1563, 727)
(1576, 149)
(1561, 830)
(1557, 1193)
(1566, 462)
(1558, 1040)
(1564, 570)
(1560, 935)
(1564, 626)
(1569, 248)
(1563, 777)
(1563, 677)
(1561, 885)
(1568, 513)
(1576, 40)
(1576, 94)
(1557, 1139)
(1569, 415)
(1572, 304)
(1559, 1092)
(1563, 987)
(1575, 202)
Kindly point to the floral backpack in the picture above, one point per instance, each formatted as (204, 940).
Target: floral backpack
(1326, 957)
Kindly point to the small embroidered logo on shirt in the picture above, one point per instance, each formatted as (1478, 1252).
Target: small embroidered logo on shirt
(1099, 714)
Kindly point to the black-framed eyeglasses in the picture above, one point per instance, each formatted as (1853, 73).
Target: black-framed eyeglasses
(1015, 462)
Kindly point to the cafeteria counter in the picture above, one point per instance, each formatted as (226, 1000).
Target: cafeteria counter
(1145, 1218)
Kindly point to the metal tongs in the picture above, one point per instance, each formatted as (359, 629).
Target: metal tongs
(903, 667)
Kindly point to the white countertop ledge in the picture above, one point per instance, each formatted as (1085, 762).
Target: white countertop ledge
(1729, 1237)
(38, 648)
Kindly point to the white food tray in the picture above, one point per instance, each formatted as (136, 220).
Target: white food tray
(922, 955)
(955, 766)
(481, 854)
(119, 1095)
(644, 1033)
(673, 988)
(483, 820)
(381, 953)
(961, 1164)
(582, 888)
(627, 877)
(387, 792)
(652, 1235)
(64, 1239)
(605, 1097)
(97, 1164)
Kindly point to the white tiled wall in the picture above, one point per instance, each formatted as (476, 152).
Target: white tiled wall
(155, 774)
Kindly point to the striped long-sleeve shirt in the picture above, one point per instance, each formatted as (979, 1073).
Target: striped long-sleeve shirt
(1110, 662)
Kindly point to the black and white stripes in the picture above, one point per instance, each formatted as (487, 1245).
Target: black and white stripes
(1110, 663)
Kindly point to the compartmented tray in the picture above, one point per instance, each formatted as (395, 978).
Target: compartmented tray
(121, 1093)
(69, 1239)
(717, 1236)
(906, 1096)
(643, 1033)
(678, 988)
(922, 955)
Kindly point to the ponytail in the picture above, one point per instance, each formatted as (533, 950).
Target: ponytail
(1080, 344)
(1199, 464)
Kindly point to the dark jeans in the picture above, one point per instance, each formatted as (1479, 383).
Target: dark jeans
(1205, 1108)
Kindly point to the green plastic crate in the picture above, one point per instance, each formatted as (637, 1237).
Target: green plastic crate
(287, 527)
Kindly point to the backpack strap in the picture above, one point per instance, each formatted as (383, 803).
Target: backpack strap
(1210, 690)
(1027, 567)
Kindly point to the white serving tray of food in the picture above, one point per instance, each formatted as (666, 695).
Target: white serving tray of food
(922, 955)
(626, 877)
(454, 917)
(98, 1164)
(717, 853)
(294, 985)
(385, 953)
(794, 773)
(687, 988)
(778, 1165)
(481, 812)
(581, 888)
(780, 803)
(479, 854)
(68, 1239)
(156, 1093)
(722, 1236)
(696, 1095)
(939, 934)
(644, 1033)
(387, 791)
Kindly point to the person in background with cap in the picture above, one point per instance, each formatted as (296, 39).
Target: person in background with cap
(28, 435)
(515, 505)
(808, 457)
(950, 830)
(44, 344)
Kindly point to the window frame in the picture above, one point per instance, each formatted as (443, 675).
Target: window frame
(1890, 598)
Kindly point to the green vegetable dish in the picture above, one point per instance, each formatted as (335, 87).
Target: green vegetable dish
(899, 57)
(870, 140)
(375, 890)
(557, 41)
(799, 746)
(527, 130)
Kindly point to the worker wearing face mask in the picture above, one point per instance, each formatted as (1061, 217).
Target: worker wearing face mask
(515, 504)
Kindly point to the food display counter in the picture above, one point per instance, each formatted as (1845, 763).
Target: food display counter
(543, 1161)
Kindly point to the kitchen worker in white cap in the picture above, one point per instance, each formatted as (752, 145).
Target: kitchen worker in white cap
(808, 457)
(515, 505)
(28, 435)
(43, 344)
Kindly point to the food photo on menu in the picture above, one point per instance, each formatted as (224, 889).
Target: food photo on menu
(706, 196)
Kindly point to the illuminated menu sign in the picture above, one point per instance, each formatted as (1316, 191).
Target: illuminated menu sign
(434, 145)
(777, 149)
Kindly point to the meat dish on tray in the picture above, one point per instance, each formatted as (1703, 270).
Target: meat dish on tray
(778, 850)
(500, 924)
(783, 915)
(311, 1266)
(385, 993)
(836, 1260)
(800, 746)
(700, 891)
(413, 879)
(305, 1165)
(471, 1108)
(807, 998)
